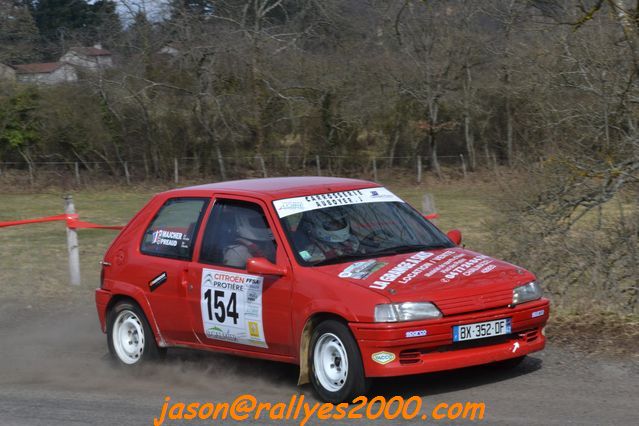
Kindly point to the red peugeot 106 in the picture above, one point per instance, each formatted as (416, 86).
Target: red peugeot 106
(339, 276)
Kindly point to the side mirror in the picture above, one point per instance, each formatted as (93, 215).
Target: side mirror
(455, 236)
(262, 266)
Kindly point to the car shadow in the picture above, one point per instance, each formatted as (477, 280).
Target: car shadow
(286, 375)
(431, 384)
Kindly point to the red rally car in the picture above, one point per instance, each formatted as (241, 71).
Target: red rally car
(339, 276)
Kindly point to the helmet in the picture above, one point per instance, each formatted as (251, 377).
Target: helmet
(329, 224)
(253, 226)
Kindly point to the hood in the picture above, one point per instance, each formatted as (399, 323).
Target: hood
(456, 280)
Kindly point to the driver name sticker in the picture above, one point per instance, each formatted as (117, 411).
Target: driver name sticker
(231, 305)
(290, 206)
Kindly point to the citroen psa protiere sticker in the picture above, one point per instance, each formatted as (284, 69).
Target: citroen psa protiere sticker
(231, 305)
(289, 206)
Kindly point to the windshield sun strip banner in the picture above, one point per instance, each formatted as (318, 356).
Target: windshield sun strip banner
(290, 206)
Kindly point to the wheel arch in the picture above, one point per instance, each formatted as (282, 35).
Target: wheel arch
(305, 340)
(120, 297)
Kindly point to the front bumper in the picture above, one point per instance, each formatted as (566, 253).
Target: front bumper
(436, 351)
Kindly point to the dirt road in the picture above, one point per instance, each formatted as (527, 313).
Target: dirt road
(54, 371)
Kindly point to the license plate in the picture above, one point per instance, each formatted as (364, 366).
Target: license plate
(481, 330)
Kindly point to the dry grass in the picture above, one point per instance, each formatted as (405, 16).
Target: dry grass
(596, 332)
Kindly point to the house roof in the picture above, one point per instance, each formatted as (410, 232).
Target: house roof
(41, 68)
(91, 51)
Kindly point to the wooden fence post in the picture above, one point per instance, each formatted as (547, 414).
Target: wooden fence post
(374, 169)
(428, 205)
(419, 169)
(262, 164)
(463, 165)
(176, 172)
(126, 173)
(31, 174)
(220, 163)
(77, 173)
(286, 160)
(72, 245)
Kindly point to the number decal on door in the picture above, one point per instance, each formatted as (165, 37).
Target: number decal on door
(221, 311)
(231, 306)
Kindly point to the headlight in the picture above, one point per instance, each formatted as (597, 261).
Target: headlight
(526, 293)
(407, 311)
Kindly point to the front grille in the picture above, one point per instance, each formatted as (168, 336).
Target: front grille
(478, 302)
(529, 335)
(413, 356)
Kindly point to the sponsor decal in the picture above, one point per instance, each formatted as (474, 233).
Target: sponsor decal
(290, 206)
(254, 329)
(383, 357)
(398, 270)
(488, 269)
(361, 270)
(304, 254)
(416, 333)
(537, 314)
(158, 281)
(451, 264)
(445, 266)
(231, 305)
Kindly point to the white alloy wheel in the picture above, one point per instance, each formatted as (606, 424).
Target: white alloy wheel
(331, 362)
(128, 337)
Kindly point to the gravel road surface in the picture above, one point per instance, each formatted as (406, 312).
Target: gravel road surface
(54, 370)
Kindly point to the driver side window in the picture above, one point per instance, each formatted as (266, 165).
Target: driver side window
(236, 231)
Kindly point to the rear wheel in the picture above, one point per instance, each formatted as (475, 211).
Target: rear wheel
(337, 372)
(129, 335)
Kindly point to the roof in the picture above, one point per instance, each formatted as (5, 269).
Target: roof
(42, 68)
(283, 187)
(91, 51)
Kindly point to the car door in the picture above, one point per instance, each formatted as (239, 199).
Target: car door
(165, 251)
(230, 307)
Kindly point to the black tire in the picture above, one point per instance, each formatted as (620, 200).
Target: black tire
(145, 348)
(355, 382)
(508, 364)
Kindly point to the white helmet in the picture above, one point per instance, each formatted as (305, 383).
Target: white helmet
(253, 226)
(329, 225)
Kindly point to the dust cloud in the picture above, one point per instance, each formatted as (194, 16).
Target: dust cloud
(65, 350)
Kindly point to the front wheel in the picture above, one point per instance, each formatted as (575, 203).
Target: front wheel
(129, 336)
(337, 372)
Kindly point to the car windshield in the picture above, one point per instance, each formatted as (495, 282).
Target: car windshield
(362, 230)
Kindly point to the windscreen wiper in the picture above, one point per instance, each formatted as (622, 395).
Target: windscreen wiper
(407, 248)
(345, 258)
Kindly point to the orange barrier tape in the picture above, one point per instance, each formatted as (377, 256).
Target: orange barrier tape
(431, 216)
(71, 220)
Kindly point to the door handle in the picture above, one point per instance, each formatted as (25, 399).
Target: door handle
(184, 281)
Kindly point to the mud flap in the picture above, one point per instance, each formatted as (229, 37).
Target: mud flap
(305, 341)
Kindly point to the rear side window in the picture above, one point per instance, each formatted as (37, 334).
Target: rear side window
(174, 227)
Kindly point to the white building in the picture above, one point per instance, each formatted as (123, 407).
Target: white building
(45, 73)
(7, 72)
(88, 58)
